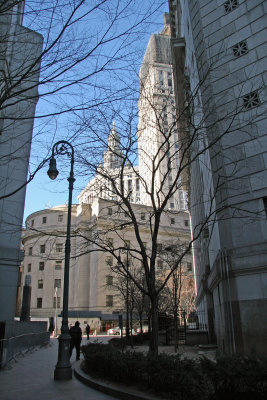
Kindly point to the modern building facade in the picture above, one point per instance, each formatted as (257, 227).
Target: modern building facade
(219, 55)
(19, 74)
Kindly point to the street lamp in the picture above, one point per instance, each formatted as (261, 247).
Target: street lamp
(127, 295)
(127, 292)
(63, 369)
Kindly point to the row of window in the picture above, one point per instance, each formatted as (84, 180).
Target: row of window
(109, 263)
(143, 215)
(58, 265)
(56, 302)
(44, 219)
(59, 248)
(57, 283)
(160, 265)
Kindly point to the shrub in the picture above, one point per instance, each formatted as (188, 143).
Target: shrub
(170, 377)
(237, 375)
(164, 375)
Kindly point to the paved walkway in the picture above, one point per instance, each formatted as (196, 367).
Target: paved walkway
(32, 378)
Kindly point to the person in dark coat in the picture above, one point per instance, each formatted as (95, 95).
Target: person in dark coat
(87, 330)
(76, 338)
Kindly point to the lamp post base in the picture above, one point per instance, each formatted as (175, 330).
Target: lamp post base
(63, 374)
(63, 370)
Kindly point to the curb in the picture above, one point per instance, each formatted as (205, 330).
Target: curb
(112, 389)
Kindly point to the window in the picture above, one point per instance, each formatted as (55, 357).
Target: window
(186, 223)
(39, 302)
(59, 247)
(251, 100)
(161, 82)
(126, 214)
(137, 183)
(240, 48)
(60, 218)
(29, 267)
(58, 264)
(143, 216)
(109, 211)
(109, 300)
(56, 302)
(130, 185)
(171, 205)
(110, 242)
(109, 261)
(189, 267)
(109, 280)
(44, 220)
(57, 283)
(41, 266)
(42, 248)
(172, 221)
(32, 222)
(127, 244)
(230, 5)
(30, 251)
(40, 284)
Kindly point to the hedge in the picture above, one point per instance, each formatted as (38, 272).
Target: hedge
(167, 376)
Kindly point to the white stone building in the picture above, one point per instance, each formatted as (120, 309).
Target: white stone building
(219, 50)
(92, 297)
(107, 179)
(19, 74)
(157, 130)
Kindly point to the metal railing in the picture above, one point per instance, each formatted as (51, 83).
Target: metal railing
(14, 347)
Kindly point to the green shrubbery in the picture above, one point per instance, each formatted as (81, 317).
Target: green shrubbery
(170, 377)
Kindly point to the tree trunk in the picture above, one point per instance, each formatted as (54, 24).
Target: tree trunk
(153, 344)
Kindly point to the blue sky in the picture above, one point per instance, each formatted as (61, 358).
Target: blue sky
(41, 192)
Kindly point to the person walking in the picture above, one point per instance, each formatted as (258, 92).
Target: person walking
(76, 338)
(87, 330)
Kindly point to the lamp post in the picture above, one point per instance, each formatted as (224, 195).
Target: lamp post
(127, 295)
(63, 369)
(127, 291)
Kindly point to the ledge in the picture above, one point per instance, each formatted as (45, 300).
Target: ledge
(113, 389)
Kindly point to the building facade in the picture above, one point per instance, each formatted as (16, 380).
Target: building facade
(19, 74)
(157, 130)
(107, 182)
(93, 297)
(219, 53)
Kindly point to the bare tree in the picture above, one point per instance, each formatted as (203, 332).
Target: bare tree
(87, 49)
(174, 152)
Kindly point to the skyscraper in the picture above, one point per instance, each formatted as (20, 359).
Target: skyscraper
(157, 130)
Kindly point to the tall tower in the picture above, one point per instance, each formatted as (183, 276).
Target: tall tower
(157, 130)
(113, 155)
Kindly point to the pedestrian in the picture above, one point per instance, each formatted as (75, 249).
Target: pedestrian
(87, 330)
(76, 338)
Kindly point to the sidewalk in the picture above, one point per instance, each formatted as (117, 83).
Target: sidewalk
(32, 378)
